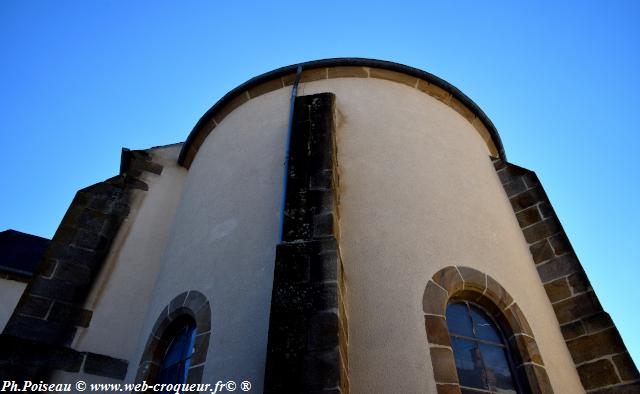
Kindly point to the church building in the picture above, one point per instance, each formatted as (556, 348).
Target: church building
(337, 226)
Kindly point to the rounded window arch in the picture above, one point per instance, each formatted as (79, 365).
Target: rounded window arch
(177, 347)
(490, 303)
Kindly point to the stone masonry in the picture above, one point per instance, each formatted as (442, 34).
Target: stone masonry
(36, 340)
(303, 353)
(600, 356)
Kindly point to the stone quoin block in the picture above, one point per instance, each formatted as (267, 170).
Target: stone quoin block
(96, 364)
(541, 251)
(558, 267)
(626, 367)
(598, 374)
(434, 301)
(557, 290)
(444, 367)
(449, 279)
(437, 331)
(448, 389)
(528, 216)
(576, 307)
(589, 347)
(473, 280)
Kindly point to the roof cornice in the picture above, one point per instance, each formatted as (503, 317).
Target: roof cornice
(340, 68)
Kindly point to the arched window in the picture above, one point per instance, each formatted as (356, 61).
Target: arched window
(180, 339)
(176, 349)
(481, 354)
(467, 345)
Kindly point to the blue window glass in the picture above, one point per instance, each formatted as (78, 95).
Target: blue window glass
(177, 358)
(459, 320)
(497, 368)
(479, 350)
(468, 362)
(484, 327)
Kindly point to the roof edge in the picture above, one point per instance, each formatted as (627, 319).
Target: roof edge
(208, 116)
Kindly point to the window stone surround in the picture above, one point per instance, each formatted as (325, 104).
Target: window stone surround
(191, 303)
(465, 283)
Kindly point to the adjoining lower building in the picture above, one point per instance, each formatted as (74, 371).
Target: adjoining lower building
(342, 225)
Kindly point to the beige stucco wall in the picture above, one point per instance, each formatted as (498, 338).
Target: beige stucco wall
(418, 193)
(121, 296)
(10, 292)
(225, 234)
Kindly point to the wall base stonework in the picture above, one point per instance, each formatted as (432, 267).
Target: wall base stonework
(600, 356)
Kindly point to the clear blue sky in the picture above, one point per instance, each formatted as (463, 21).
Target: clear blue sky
(561, 82)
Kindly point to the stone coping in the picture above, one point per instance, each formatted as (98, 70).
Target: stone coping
(342, 68)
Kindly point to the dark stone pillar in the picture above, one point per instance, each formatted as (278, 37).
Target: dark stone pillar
(601, 358)
(303, 353)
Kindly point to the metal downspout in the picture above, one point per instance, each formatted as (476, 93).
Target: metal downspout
(285, 176)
